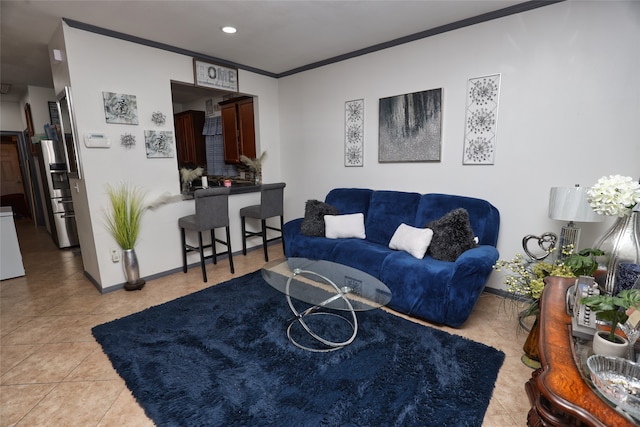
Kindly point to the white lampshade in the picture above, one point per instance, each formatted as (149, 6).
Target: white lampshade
(570, 204)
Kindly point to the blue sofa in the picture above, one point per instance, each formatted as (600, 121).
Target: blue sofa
(441, 292)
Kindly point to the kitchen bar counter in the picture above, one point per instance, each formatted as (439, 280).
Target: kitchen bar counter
(234, 189)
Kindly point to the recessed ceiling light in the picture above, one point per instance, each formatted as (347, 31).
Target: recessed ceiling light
(229, 30)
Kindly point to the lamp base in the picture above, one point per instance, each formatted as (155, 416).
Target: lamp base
(569, 235)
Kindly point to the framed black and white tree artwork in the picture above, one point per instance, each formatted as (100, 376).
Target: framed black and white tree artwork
(410, 127)
(158, 143)
(120, 108)
(480, 133)
(354, 133)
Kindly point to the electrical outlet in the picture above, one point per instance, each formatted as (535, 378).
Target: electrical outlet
(115, 255)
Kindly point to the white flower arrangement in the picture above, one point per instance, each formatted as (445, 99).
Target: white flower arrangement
(254, 164)
(189, 175)
(614, 195)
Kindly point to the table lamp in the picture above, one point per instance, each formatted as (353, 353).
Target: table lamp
(570, 204)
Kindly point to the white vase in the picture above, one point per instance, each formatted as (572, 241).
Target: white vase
(621, 243)
(601, 345)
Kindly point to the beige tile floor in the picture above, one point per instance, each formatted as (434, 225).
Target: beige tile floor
(53, 373)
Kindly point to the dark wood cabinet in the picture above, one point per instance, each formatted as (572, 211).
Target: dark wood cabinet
(558, 394)
(238, 129)
(190, 143)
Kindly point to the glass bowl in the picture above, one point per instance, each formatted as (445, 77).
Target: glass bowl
(618, 380)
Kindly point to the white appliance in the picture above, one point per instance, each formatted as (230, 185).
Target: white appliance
(11, 259)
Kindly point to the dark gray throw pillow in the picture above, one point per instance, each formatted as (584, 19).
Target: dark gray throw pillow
(452, 235)
(313, 222)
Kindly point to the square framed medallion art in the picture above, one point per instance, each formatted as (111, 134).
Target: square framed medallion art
(410, 127)
(158, 143)
(120, 108)
(481, 120)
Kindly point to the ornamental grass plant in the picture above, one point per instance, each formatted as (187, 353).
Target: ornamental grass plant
(123, 220)
(254, 164)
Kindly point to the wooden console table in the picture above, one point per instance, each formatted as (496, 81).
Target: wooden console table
(557, 392)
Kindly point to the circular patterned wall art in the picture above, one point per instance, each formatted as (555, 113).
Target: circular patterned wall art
(481, 120)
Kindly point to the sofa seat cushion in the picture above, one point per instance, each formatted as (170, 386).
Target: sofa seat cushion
(360, 254)
(301, 246)
(387, 210)
(420, 288)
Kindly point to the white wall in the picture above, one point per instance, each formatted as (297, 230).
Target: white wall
(96, 64)
(38, 99)
(568, 114)
(11, 117)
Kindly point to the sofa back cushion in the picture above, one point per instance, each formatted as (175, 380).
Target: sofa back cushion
(350, 200)
(387, 210)
(484, 217)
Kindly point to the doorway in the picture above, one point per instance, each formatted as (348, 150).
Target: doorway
(12, 178)
(19, 177)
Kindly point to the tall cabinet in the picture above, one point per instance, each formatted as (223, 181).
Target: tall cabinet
(190, 143)
(238, 129)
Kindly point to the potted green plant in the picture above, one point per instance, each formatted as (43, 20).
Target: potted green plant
(613, 309)
(583, 263)
(123, 222)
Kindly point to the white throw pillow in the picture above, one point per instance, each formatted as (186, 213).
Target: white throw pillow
(412, 240)
(343, 226)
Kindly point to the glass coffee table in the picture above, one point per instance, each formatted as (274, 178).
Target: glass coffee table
(333, 291)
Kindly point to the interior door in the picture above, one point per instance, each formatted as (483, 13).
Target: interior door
(11, 176)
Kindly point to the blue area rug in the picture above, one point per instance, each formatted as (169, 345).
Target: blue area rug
(221, 357)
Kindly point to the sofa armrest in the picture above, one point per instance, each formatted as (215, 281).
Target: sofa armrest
(471, 271)
(482, 257)
(291, 231)
(293, 226)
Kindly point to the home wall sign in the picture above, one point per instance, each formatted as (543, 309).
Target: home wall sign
(215, 76)
(410, 127)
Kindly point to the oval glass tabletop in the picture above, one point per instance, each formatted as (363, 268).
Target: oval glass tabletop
(311, 281)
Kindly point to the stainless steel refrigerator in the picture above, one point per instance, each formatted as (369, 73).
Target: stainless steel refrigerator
(62, 220)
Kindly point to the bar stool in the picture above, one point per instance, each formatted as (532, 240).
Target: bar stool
(271, 204)
(212, 211)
